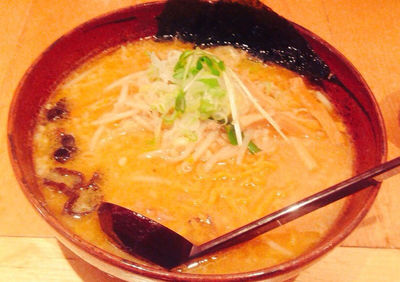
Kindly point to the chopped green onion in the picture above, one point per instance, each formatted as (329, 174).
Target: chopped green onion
(231, 134)
(182, 59)
(180, 102)
(178, 74)
(206, 107)
(186, 54)
(221, 65)
(202, 88)
(253, 149)
(217, 92)
(210, 82)
(197, 90)
(199, 65)
(180, 71)
(215, 66)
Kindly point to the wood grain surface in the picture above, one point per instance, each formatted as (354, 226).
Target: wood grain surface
(367, 32)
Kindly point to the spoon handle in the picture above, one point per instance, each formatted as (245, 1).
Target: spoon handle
(300, 208)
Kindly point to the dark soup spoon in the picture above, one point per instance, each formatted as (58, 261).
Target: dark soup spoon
(150, 240)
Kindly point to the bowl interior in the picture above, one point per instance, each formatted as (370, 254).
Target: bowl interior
(353, 100)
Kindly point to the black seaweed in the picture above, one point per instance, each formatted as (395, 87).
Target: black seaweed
(246, 24)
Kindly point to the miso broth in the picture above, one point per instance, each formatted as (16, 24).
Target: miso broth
(172, 156)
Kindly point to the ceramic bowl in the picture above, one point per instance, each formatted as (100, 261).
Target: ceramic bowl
(354, 101)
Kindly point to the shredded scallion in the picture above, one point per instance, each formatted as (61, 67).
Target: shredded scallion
(203, 88)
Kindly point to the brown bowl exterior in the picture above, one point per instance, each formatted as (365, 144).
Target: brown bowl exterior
(357, 106)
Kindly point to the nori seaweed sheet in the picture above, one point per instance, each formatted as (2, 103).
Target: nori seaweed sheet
(248, 25)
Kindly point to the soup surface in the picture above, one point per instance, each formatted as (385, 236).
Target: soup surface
(202, 141)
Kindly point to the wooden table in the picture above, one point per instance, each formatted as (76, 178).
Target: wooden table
(365, 31)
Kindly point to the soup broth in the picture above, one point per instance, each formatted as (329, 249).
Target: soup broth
(181, 167)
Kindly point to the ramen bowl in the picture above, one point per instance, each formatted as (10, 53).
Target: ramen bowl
(343, 84)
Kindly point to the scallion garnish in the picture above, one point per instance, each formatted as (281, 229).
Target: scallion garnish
(180, 103)
(210, 82)
(230, 131)
(253, 149)
(204, 90)
(231, 134)
(201, 90)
